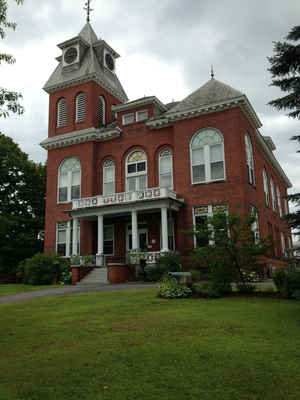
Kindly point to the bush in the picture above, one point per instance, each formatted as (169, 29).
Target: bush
(41, 269)
(169, 262)
(246, 288)
(200, 274)
(207, 290)
(287, 283)
(169, 288)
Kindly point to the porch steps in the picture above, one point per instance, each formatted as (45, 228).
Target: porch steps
(96, 276)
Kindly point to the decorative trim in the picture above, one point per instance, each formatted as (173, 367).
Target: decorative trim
(140, 102)
(82, 136)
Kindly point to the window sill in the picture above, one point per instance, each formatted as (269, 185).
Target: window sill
(59, 203)
(207, 183)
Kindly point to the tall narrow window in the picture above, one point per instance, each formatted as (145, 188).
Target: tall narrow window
(207, 156)
(69, 180)
(101, 111)
(266, 187)
(109, 177)
(249, 159)
(61, 238)
(136, 171)
(108, 240)
(279, 201)
(255, 224)
(165, 169)
(273, 194)
(282, 243)
(61, 113)
(80, 107)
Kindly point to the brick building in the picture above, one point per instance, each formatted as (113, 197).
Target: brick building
(125, 175)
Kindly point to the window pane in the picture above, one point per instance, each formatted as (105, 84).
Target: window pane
(201, 227)
(142, 182)
(76, 178)
(165, 164)
(108, 232)
(108, 188)
(108, 247)
(63, 194)
(109, 174)
(62, 236)
(63, 180)
(141, 167)
(142, 115)
(61, 249)
(199, 173)
(75, 192)
(216, 153)
(217, 170)
(166, 180)
(131, 184)
(198, 156)
(131, 168)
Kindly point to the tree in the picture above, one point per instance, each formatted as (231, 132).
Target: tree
(9, 101)
(234, 249)
(285, 71)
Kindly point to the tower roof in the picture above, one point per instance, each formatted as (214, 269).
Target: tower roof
(90, 66)
(212, 92)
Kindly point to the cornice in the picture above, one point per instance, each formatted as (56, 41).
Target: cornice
(140, 102)
(82, 136)
(84, 79)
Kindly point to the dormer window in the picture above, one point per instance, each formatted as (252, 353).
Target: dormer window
(128, 119)
(61, 113)
(80, 107)
(141, 115)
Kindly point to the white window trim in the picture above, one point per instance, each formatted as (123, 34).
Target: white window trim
(255, 224)
(274, 208)
(68, 238)
(138, 118)
(283, 248)
(127, 115)
(136, 174)
(266, 187)
(79, 111)
(279, 201)
(250, 167)
(114, 181)
(60, 113)
(102, 100)
(69, 187)
(108, 226)
(206, 150)
(159, 157)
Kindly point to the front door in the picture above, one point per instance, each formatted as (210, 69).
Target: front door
(142, 237)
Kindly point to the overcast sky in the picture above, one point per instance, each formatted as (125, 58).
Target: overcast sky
(166, 47)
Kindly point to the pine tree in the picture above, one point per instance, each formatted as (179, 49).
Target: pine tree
(285, 70)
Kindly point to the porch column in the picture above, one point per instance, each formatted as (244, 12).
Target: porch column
(100, 235)
(75, 236)
(164, 229)
(134, 230)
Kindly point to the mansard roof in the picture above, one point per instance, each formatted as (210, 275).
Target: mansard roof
(90, 67)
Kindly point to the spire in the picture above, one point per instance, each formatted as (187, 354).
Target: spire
(212, 74)
(88, 10)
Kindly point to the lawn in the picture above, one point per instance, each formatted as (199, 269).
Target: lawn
(8, 289)
(133, 345)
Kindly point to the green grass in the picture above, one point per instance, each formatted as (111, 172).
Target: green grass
(143, 347)
(8, 289)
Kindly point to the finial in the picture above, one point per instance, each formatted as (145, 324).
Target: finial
(212, 74)
(88, 9)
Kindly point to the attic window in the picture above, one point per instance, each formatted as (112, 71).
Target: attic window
(80, 107)
(141, 115)
(62, 113)
(128, 119)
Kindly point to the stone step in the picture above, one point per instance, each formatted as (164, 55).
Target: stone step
(96, 276)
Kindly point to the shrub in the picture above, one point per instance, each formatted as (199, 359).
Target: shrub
(169, 262)
(287, 283)
(246, 288)
(206, 290)
(169, 288)
(41, 269)
(153, 273)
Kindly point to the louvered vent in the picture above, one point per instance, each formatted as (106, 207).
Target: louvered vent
(80, 107)
(62, 113)
(101, 111)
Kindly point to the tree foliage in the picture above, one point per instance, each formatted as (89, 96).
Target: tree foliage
(233, 249)
(285, 71)
(9, 101)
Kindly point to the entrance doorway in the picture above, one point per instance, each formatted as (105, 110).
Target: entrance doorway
(142, 237)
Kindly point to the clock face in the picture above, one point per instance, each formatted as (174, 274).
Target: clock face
(109, 61)
(70, 55)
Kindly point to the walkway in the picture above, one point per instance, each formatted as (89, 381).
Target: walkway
(66, 290)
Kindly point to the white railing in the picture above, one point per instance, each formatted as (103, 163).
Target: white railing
(124, 198)
(150, 257)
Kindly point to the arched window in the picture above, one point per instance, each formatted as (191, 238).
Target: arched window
(69, 180)
(80, 107)
(61, 113)
(207, 156)
(101, 111)
(249, 159)
(166, 169)
(266, 188)
(136, 171)
(279, 201)
(109, 177)
(273, 194)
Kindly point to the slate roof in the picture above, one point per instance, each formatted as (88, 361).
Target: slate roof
(212, 92)
(90, 69)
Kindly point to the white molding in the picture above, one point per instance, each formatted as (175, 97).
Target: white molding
(140, 102)
(82, 136)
